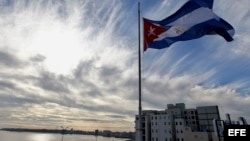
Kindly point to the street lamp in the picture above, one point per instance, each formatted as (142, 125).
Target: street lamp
(64, 129)
(96, 133)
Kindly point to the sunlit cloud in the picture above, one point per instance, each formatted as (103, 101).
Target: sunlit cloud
(75, 63)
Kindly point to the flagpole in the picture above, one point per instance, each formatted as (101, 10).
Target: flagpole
(139, 65)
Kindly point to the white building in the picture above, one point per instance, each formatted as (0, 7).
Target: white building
(171, 124)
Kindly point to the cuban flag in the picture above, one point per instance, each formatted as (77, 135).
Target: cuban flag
(193, 20)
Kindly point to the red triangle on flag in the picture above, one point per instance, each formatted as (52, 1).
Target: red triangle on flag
(151, 32)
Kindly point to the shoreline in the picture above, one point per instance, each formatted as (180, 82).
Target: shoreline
(126, 135)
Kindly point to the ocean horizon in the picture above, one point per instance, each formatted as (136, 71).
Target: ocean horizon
(30, 136)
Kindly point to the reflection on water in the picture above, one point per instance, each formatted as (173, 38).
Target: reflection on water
(40, 137)
(24, 136)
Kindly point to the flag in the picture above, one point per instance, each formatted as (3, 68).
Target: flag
(193, 20)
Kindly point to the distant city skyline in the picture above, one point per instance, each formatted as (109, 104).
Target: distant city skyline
(75, 63)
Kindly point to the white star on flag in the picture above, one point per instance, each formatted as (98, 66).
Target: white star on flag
(151, 31)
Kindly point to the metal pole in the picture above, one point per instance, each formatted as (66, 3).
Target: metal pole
(62, 138)
(139, 59)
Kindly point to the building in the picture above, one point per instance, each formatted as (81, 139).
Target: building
(175, 122)
(206, 115)
(190, 135)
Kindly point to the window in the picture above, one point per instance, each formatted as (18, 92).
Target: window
(176, 123)
(166, 139)
(180, 123)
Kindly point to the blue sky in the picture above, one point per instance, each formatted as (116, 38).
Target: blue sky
(75, 63)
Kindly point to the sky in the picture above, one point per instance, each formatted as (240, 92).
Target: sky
(75, 64)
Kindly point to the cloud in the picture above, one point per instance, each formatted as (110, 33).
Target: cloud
(50, 82)
(75, 63)
(9, 60)
(38, 58)
(186, 89)
(6, 85)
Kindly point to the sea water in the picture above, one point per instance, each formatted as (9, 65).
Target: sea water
(26, 136)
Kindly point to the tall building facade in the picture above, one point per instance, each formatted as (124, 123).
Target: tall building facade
(170, 124)
(206, 115)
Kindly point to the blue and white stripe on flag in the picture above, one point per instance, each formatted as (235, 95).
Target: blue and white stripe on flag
(193, 20)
